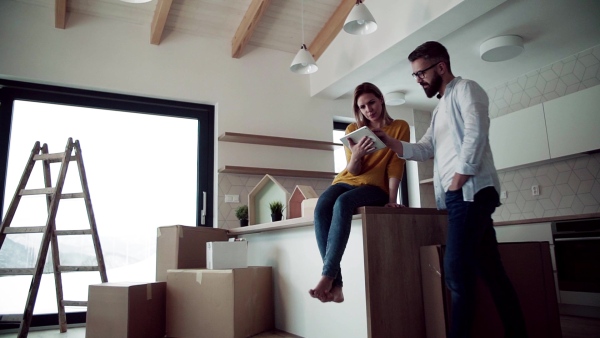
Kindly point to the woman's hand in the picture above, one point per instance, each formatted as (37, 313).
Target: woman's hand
(394, 205)
(363, 147)
(358, 150)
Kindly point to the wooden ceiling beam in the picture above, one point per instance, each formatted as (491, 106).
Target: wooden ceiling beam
(244, 32)
(159, 20)
(331, 29)
(60, 14)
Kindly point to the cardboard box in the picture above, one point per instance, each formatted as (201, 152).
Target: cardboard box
(236, 303)
(226, 255)
(529, 268)
(132, 310)
(183, 247)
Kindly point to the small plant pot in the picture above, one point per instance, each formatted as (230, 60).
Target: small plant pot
(243, 223)
(276, 217)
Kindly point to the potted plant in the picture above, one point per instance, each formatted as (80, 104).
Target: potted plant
(242, 214)
(276, 210)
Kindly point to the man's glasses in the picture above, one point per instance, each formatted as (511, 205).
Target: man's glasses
(421, 74)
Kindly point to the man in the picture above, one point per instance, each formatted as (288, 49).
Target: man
(466, 184)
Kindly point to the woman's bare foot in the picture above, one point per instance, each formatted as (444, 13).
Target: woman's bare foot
(337, 294)
(322, 290)
(334, 295)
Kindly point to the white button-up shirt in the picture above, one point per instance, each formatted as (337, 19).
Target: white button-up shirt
(466, 104)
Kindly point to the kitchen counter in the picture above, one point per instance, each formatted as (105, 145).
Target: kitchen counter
(309, 220)
(548, 219)
(382, 278)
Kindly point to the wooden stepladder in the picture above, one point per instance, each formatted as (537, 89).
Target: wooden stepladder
(49, 231)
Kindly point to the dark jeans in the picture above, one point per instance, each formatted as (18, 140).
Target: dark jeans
(333, 218)
(471, 250)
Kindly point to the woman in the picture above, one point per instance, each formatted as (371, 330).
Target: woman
(369, 179)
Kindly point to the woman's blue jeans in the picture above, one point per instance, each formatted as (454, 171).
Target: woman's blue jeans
(333, 218)
(471, 250)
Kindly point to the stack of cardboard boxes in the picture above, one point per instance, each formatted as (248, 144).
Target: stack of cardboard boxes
(188, 300)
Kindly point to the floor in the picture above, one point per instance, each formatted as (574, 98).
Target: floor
(572, 327)
(79, 332)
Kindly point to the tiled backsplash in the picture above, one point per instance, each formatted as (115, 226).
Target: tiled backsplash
(568, 187)
(234, 184)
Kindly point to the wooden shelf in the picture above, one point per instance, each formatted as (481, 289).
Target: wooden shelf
(228, 169)
(278, 141)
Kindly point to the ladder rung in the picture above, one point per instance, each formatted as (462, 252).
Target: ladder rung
(77, 268)
(17, 271)
(73, 232)
(44, 191)
(72, 195)
(52, 158)
(24, 230)
(74, 303)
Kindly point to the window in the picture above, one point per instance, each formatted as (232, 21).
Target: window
(339, 155)
(147, 163)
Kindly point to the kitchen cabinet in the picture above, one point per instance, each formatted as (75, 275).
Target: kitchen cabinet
(572, 122)
(550, 130)
(519, 138)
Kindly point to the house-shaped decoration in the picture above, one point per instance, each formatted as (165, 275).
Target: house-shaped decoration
(300, 193)
(266, 191)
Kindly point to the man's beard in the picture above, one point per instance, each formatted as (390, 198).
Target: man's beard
(434, 86)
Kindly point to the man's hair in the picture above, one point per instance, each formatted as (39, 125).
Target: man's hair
(431, 50)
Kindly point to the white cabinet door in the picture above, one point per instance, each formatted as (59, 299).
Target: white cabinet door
(573, 122)
(519, 138)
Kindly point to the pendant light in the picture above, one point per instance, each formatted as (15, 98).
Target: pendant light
(360, 21)
(303, 63)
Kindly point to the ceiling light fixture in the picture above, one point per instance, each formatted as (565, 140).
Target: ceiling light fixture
(360, 21)
(501, 48)
(303, 63)
(395, 98)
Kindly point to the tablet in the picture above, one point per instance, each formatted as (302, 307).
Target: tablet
(358, 134)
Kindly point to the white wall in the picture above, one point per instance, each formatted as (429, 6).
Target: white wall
(297, 266)
(256, 94)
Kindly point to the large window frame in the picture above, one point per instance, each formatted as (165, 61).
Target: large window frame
(11, 91)
(15, 90)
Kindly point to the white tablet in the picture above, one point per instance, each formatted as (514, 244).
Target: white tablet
(358, 134)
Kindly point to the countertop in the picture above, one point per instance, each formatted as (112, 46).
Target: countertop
(309, 221)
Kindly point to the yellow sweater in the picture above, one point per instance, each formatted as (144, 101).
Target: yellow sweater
(379, 166)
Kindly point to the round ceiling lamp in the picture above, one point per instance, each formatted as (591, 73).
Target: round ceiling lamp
(136, 1)
(395, 98)
(360, 21)
(501, 48)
